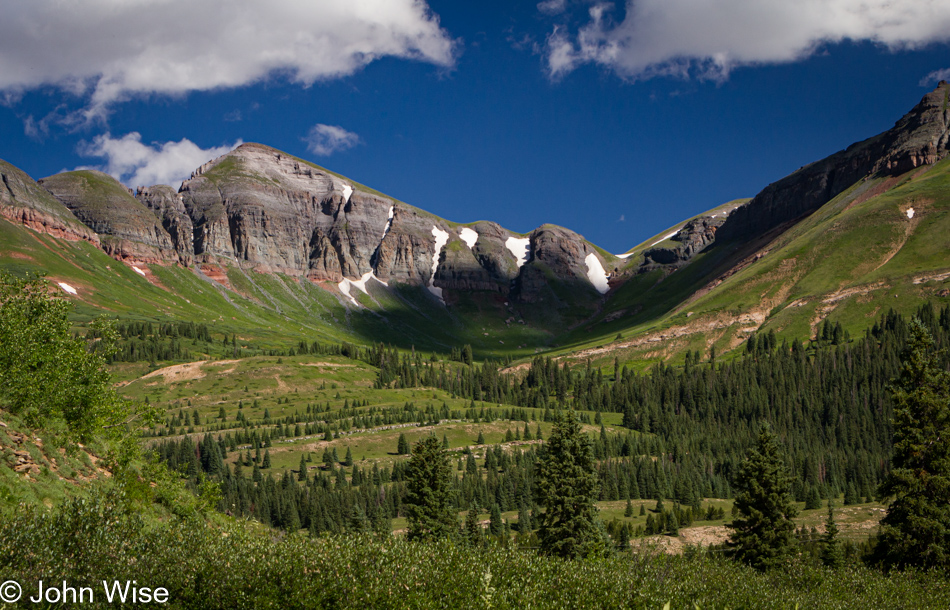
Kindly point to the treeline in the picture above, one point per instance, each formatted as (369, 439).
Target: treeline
(338, 495)
(826, 399)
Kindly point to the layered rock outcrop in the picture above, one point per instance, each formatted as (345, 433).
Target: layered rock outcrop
(127, 229)
(165, 202)
(482, 263)
(23, 201)
(558, 261)
(261, 207)
(691, 239)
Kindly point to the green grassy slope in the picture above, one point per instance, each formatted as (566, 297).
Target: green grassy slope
(859, 255)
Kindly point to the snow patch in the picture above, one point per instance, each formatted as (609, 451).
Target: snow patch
(596, 273)
(441, 238)
(389, 223)
(667, 236)
(67, 288)
(347, 191)
(910, 212)
(519, 248)
(627, 255)
(137, 270)
(345, 285)
(469, 236)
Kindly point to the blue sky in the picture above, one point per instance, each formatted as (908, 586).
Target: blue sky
(615, 120)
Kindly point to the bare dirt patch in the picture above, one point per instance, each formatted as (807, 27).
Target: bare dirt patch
(932, 277)
(831, 301)
(330, 365)
(188, 371)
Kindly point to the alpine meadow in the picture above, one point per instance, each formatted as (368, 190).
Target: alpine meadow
(231, 377)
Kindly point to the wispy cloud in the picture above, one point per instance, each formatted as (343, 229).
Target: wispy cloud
(552, 7)
(707, 40)
(324, 140)
(935, 77)
(107, 51)
(137, 164)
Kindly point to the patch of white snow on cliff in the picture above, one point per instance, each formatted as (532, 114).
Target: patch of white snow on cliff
(137, 270)
(441, 238)
(389, 223)
(627, 255)
(910, 213)
(667, 236)
(67, 288)
(345, 285)
(469, 236)
(347, 191)
(596, 273)
(519, 248)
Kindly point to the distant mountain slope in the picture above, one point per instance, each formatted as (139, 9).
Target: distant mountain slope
(25, 202)
(288, 250)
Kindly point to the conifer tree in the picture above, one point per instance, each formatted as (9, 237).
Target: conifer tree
(402, 446)
(429, 492)
(302, 475)
(348, 460)
(481, 438)
(495, 526)
(266, 462)
(916, 529)
(473, 530)
(628, 512)
(566, 487)
(763, 531)
(831, 554)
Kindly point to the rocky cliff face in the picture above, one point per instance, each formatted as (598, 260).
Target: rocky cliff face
(127, 229)
(167, 206)
(921, 137)
(261, 207)
(23, 201)
(483, 262)
(559, 257)
(692, 239)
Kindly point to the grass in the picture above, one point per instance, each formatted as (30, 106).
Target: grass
(286, 386)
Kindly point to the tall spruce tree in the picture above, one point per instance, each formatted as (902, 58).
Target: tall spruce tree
(473, 529)
(916, 529)
(763, 531)
(429, 498)
(566, 487)
(831, 554)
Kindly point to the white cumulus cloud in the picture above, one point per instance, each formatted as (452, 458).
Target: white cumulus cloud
(130, 161)
(709, 38)
(109, 50)
(324, 140)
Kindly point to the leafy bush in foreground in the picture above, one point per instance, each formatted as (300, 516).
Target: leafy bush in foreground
(240, 565)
